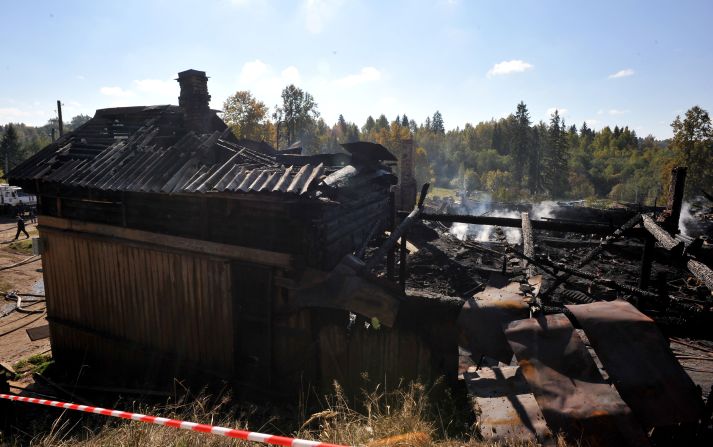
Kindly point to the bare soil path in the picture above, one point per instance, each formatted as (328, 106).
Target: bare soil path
(15, 344)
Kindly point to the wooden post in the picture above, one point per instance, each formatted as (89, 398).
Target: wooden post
(59, 118)
(675, 197)
(528, 245)
(647, 256)
(391, 225)
(402, 262)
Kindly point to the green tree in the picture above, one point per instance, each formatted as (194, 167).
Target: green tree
(10, 148)
(78, 121)
(368, 126)
(437, 124)
(300, 113)
(693, 146)
(245, 115)
(381, 123)
(521, 142)
(556, 158)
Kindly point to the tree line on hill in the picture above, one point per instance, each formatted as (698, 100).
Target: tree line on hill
(511, 158)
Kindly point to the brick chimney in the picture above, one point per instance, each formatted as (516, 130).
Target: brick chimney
(194, 100)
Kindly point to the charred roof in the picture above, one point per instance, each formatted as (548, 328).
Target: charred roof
(160, 149)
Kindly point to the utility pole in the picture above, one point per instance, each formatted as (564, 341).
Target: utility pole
(59, 118)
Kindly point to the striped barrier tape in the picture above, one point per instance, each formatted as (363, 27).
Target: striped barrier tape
(174, 423)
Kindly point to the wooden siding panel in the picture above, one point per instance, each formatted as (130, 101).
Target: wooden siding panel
(176, 303)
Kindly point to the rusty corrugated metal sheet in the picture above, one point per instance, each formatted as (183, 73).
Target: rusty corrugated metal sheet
(573, 396)
(640, 363)
(482, 319)
(506, 407)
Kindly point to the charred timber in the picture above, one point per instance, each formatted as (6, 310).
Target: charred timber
(631, 223)
(663, 237)
(702, 272)
(549, 225)
(528, 243)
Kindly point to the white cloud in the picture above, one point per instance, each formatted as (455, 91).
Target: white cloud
(366, 74)
(562, 111)
(317, 13)
(591, 122)
(25, 114)
(265, 82)
(290, 75)
(507, 67)
(116, 92)
(622, 73)
(252, 71)
(157, 87)
(617, 112)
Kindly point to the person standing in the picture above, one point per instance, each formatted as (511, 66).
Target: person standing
(21, 227)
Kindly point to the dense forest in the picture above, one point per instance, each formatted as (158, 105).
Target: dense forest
(512, 158)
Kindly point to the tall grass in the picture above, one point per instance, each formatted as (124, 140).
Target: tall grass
(404, 417)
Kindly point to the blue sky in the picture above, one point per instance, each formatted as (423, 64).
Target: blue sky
(608, 62)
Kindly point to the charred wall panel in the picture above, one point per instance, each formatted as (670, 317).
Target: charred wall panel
(103, 296)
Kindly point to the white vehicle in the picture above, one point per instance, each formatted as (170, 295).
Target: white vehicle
(12, 197)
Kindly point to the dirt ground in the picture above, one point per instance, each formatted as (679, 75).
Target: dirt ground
(15, 344)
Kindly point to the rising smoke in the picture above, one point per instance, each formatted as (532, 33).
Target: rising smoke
(485, 206)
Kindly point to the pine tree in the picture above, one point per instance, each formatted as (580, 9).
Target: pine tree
(369, 125)
(437, 124)
(521, 142)
(404, 121)
(382, 123)
(10, 148)
(496, 142)
(534, 159)
(556, 159)
(342, 124)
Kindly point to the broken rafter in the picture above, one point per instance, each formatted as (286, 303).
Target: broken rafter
(631, 223)
(663, 237)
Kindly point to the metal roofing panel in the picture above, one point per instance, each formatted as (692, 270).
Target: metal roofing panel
(506, 408)
(569, 389)
(646, 373)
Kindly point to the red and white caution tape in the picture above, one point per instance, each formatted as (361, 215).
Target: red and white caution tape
(174, 423)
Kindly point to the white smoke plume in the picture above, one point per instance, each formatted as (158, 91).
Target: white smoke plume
(544, 209)
(685, 218)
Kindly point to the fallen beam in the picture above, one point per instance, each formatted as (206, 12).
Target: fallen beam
(663, 237)
(702, 272)
(549, 225)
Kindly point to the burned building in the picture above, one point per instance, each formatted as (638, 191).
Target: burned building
(168, 245)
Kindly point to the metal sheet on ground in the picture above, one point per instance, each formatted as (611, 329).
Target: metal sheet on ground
(482, 319)
(507, 409)
(573, 396)
(39, 332)
(640, 363)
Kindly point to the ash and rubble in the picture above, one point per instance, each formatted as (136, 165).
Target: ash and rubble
(458, 259)
(648, 322)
